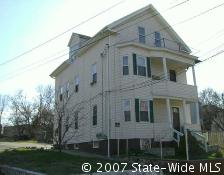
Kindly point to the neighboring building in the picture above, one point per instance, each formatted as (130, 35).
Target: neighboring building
(130, 81)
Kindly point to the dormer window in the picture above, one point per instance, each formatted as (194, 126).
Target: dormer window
(141, 34)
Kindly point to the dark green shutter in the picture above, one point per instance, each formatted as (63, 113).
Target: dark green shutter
(149, 67)
(137, 110)
(151, 111)
(134, 64)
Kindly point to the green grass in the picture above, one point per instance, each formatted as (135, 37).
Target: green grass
(47, 161)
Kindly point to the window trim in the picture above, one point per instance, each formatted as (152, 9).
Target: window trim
(145, 60)
(123, 109)
(141, 35)
(147, 100)
(125, 65)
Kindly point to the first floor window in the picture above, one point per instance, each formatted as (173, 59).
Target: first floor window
(125, 65)
(127, 110)
(76, 120)
(141, 66)
(67, 90)
(144, 110)
(77, 84)
(95, 115)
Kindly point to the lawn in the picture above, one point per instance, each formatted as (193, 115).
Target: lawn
(47, 161)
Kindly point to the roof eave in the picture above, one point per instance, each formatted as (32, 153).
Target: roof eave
(59, 69)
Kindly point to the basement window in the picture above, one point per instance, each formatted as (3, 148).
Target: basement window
(96, 144)
(76, 146)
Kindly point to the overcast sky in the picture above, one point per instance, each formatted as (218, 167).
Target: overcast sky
(25, 24)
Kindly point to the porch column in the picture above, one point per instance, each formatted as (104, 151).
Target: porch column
(194, 77)
(197, 112)
(184, 111)
(169, 111)
(165, 69)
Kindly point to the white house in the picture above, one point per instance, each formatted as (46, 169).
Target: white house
(128, 84)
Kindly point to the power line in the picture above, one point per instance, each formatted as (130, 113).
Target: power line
(108, 35)
(57, 36)
(79, 25)
(165, 28)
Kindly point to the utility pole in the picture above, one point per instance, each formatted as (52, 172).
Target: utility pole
(109, 112)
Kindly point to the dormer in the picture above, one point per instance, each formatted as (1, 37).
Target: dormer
(75, 43)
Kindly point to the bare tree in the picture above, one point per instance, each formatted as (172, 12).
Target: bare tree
(212, 109)
(44, 115)
(22, 113)
(3, 102)
(68, 120)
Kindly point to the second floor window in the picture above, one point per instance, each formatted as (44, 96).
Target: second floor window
(95, 115)
(141, 34)
(141, 66)
(125, 65)
(94, 74)
(173, 76)
(127, 110)
(61, 94)
(76, 84)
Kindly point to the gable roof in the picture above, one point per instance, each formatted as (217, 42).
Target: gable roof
(111, 28)
(79, 35)
(138, 13)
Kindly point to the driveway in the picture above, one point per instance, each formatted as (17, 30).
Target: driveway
(13, 145)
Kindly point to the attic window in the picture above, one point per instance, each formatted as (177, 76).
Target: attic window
(141, 34)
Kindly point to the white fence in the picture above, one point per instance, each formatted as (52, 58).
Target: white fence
(215, 138)
(7, 170)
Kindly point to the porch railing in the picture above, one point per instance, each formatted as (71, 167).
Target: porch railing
(201, 138)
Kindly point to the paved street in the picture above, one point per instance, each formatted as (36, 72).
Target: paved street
(12, 145)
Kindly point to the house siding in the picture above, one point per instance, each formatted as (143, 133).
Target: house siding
(113, 87)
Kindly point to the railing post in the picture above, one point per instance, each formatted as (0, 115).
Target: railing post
(206, 146)
(186, 140)
(164, 45)
(161, 149)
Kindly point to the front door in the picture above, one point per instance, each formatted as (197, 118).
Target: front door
(176, 118)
